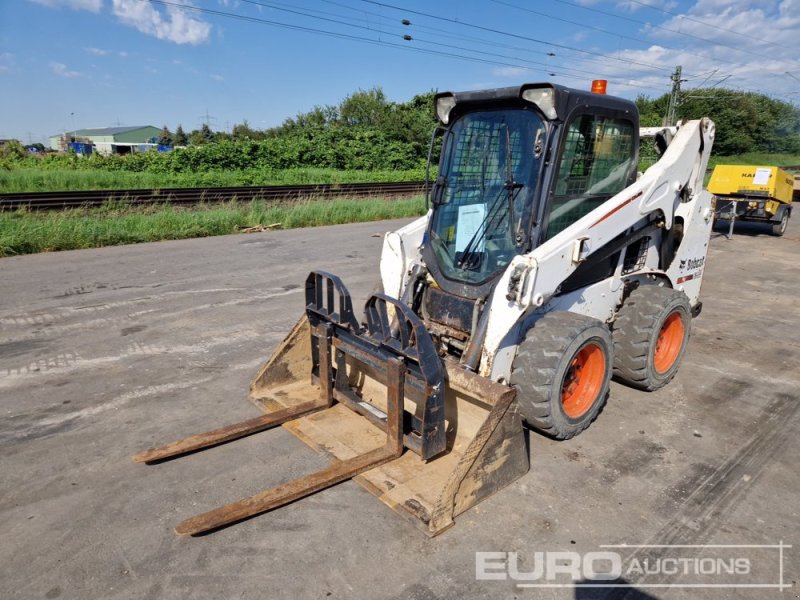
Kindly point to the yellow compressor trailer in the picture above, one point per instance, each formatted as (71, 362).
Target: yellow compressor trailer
(753, 193)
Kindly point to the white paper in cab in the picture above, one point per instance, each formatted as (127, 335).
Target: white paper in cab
(470, 218)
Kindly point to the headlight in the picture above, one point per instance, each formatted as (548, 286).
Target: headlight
(544, 98)
(444, 104)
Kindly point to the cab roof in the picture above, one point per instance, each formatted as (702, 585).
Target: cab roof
(566, 99)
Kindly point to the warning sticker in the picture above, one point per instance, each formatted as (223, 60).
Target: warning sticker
(762, 176)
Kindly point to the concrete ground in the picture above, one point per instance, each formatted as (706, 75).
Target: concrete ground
(106, 352)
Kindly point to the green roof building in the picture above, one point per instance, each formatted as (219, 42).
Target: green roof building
(106, 136)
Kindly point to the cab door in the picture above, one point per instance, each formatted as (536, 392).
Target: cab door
(597, 159)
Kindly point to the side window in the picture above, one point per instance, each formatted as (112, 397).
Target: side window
(595, 162)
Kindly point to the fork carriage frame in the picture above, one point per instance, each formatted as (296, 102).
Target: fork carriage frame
(336, 335)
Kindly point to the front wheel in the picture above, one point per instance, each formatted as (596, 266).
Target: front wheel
(562, 372)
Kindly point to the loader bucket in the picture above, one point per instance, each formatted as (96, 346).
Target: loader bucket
(484, 446)
(426, 437)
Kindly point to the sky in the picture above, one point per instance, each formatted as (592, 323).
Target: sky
(67, 64)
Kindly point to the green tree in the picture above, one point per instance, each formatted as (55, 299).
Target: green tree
(165, 139)
(196, 138)
(201, 136)
(365, 107)
(180, 138)
(745, 121)
(651, 112)
(205, 131)
(12, 150)
(243, 131)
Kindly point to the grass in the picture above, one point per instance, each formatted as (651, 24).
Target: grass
(23, 232)
(756, 158)
(46, 180)
(750, 158)
(27, 179)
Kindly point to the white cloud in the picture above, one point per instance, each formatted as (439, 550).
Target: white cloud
(639, 4)
(175, 25)
(216, 77)
(751, 42)
(97, 51)
(61, 70)
(512, 72)
(6, 62)
(123, 54)
(90, 5)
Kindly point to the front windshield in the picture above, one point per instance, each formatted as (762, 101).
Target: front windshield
(487, 188)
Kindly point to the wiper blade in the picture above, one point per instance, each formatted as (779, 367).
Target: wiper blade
(510, 191)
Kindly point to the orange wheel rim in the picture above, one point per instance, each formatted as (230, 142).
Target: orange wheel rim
(583, 380)
(669, 343)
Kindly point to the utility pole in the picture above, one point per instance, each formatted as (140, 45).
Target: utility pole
(674, 98)
(207, 119)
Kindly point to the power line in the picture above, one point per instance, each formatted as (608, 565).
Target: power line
(549, 67)
(516, 35)
(472, 25)
(280, 24)
(640, 22)
(592, 27)
(688, 18)
(450, 34)
(293, 10)
(276, 6)
(551, 71)
(612, 33)
(343, 35)
(710, 75)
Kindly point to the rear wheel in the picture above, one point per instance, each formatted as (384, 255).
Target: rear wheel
(779, 228)
(650, 336)
(562, 372)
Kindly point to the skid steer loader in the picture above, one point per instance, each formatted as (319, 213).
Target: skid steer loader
(543, 267)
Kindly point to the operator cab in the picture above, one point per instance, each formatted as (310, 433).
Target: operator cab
(518, 165)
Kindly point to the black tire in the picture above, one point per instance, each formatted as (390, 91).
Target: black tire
(779, 228)
(637, 329)
(544, 364)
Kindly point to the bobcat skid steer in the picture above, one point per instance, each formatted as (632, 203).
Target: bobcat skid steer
(544, 266)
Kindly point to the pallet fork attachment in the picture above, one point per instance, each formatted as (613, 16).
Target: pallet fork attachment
(374, 391)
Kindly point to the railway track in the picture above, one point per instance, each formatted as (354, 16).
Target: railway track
(190, 196)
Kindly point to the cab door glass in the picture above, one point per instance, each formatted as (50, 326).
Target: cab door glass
(596, 162)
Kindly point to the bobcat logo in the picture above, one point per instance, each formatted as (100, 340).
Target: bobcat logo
(692, 263)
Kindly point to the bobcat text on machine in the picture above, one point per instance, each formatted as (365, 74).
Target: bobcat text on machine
(543, 266)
